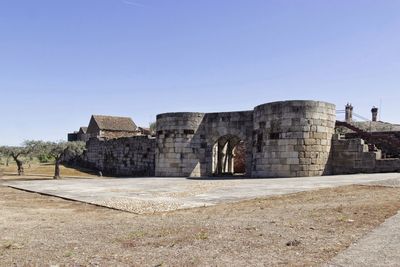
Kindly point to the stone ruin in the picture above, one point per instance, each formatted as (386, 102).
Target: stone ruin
(279, 139)
(127, 156)
(282, 139)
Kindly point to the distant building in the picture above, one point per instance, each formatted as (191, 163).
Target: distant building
(110, 127)
(145, 131)
(79, 135)
(82, 134)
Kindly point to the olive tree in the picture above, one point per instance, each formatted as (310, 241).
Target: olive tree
(63, 151)
(19, 153)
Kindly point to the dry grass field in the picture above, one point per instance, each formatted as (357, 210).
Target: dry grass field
(303, 229)
(45, 170)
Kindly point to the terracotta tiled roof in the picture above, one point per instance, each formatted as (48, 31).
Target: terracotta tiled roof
(112, 123)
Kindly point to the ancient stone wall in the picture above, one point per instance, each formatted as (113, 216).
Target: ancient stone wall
(225, 127)
(179, 147)
(281, 139)
(130, 156)
(292, 138)
(185, 141)
(82, 137)
(349, 156)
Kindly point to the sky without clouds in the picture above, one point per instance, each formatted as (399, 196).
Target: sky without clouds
(61, 61)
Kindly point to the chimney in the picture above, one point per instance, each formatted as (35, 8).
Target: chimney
(349, 113)
(374, 111)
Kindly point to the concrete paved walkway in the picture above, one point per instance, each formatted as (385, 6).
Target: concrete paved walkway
(381, 247)
(147, 195)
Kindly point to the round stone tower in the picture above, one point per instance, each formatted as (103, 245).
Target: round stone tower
(177, 144)
(292, 138)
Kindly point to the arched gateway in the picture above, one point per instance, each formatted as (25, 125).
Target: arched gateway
(229, 156)
(280, 139)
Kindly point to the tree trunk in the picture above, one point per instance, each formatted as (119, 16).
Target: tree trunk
(57, 169)
(20, 168)
(19, 165)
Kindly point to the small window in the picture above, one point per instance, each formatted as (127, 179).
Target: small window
(274, 136)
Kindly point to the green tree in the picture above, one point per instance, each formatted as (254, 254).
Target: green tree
(19, 153)
(61, 152)
(153, 127)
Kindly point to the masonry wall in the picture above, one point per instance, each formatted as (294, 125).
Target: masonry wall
(185, 141)
(131, 156)
(282, 139)
(82, 137)
(350, 156)
(292, 138)
(224, 126)
(179, 147)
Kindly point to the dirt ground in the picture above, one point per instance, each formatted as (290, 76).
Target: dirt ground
(304, 229)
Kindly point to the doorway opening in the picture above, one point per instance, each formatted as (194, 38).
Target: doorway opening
(229, 156)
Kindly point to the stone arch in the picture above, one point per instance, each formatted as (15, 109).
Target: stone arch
(228, 151)
(282, 139)
(227, 125)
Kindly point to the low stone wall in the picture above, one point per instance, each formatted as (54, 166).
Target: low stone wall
(381, 141)
(130, 156)
(350, 156)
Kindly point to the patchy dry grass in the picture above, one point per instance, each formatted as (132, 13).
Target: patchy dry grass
(303, 229)
(45, 170)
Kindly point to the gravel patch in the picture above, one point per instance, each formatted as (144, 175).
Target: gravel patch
(139, 206)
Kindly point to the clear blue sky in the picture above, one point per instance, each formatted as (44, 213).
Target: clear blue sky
(61, 61)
